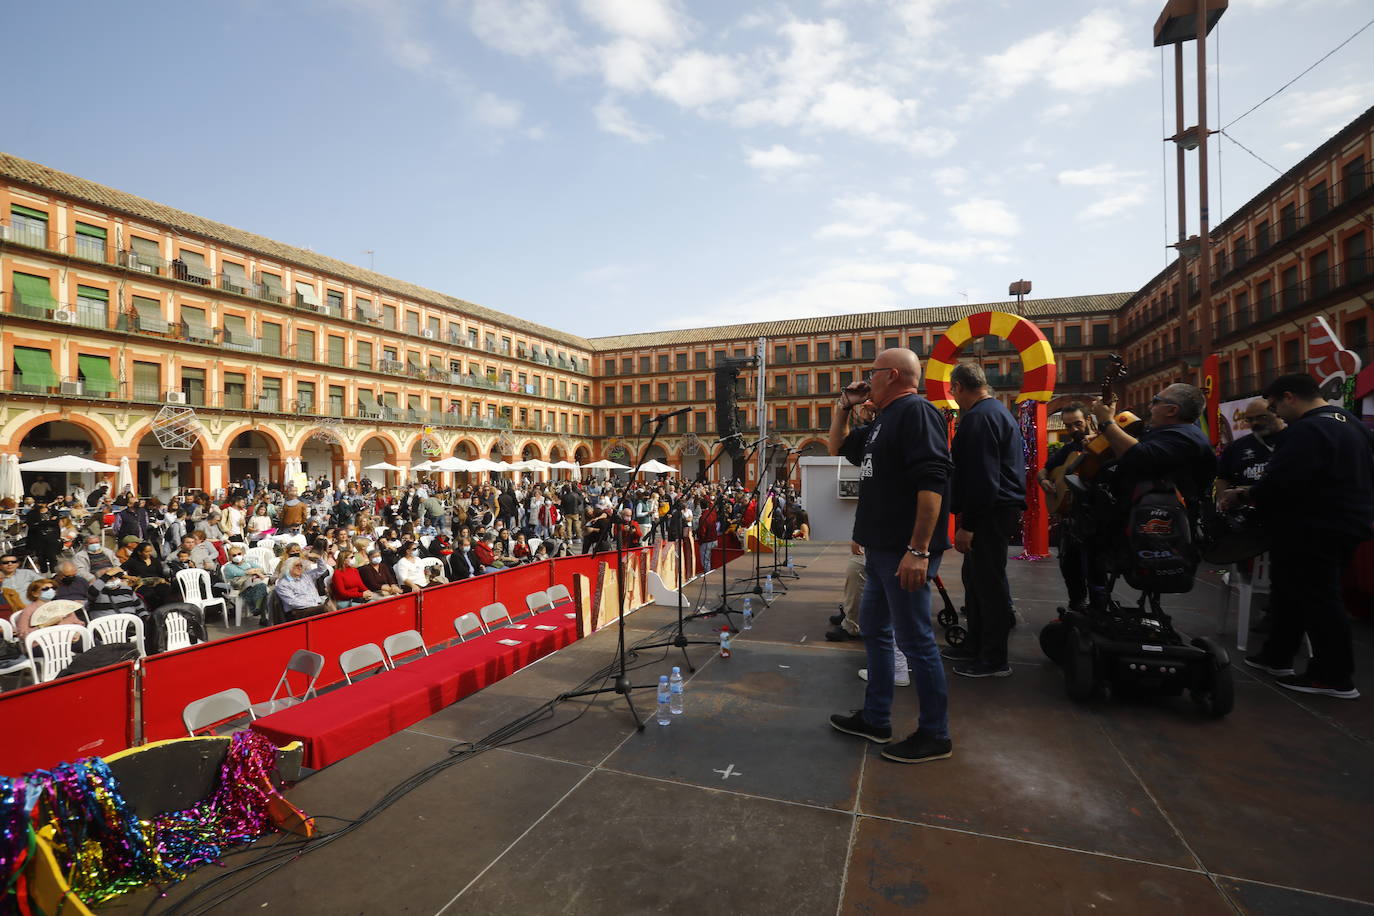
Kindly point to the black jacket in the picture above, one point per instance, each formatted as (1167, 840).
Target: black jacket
(462, 565)
(1322, 477)
(989, 463)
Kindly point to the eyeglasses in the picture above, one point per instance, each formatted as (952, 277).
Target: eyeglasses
(868, 376)
(8, 562)
(1159, 400)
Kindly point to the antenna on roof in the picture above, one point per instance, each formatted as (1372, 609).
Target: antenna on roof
(371, 259)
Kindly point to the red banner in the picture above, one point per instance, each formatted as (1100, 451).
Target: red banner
(82, 715)
(1211, 389)
(337, 632)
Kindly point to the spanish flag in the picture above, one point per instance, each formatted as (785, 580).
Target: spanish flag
(759, 536)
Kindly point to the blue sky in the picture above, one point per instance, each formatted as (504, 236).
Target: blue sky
(604, 166)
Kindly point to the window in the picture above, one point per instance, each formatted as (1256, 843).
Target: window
(627, 364)
(1356, 257)
(780, 417)
(680, 392)
(1100, 367)
(92, 307)
(802, 352)
(1319, 271)
(336, 350)
(718, 356)
(193, 386)
(610, 367)
(334, 302)
(472, 338)
(868, 349)
(336, 400)
(803, 384)
(680, 361)
(236, 331)
(1264, 298)
(363, 359)
(644, 364)
(235, 390)
(271, 339)
(1354, 179)
(1262, 240)
(644, 393)
(627, 394)
(823, 382)
(844, 350)
(699, 359)
(780, 353)
(305, 344)
(803, 417)
(1074, 371)
(434, 326)
(271, 395)
(1266, 363)
(147, 382)
(699, 421)
(90, 242)
(1356, 334)
(194, 324)
(662, 391)
(663, 362)
(505, 345)
(1101, 338)
(609, 397)
(699, 390)
(1048, 332)
(33, 295)
(1073, 335)
(1288, 220)
(412, 322)
(823, 416)
(845, 378)
(96, 377)
(1318, 199)
(780, 384)
(389, 317)
(29, 226)
(891, 343)
(1292, 356)
(823, 351)
(608, 423)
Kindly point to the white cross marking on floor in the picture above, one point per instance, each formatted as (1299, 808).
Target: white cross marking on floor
(726, 773)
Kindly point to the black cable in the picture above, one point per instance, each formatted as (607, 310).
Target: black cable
(1301, 75)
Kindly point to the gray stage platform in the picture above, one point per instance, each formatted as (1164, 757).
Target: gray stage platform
(751, 803)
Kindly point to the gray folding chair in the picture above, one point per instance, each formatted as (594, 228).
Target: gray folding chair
(495, 614)
(536, 603)
(303, 661)
(468, 624)
(215, 709)
(361, 658)
(398, 644)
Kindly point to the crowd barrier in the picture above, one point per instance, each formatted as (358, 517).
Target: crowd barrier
(113, 708)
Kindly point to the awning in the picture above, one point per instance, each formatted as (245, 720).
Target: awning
(17, 210)
(96, 371)
(94, 232)
(34, 291)
(367, 400)
(145, 247)
(36, 367)
(90, 292)
(307, 293)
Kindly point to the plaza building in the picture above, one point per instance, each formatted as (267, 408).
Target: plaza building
(117, 309)
(1299, 249)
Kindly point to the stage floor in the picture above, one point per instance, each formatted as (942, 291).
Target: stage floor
(751, 803)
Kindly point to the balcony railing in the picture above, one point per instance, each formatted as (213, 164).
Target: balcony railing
(28, 233)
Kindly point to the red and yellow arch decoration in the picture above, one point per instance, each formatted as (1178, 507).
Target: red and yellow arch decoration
(1037, 357)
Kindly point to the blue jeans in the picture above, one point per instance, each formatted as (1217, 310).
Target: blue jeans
(892, 619)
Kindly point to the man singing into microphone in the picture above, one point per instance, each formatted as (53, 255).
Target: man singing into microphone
(902, 523)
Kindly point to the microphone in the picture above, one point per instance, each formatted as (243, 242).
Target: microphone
(668, 416)
(729, 438)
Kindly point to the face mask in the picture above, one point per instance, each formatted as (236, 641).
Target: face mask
(67, 580)
(93, 548)
(47, 594)
(375, 560)
(235, 558)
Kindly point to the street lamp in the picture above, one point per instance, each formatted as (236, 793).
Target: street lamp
(1020, 289)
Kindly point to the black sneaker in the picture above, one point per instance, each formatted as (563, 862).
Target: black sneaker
(919, 748)
(837, 619)
(1306, 683)
(982, 669)
(838, 634)
(958, 653)
(856, 724)
(1263, 664)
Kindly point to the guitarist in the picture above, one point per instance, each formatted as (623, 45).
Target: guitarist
(1071, 566)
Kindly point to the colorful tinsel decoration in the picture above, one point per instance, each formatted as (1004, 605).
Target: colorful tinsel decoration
(107, 851)
(1025, 416)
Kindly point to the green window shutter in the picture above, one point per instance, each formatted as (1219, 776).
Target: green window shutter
(35, 291)
(90, 292)
(236, 326)
(36, 367)
(17, 210)
(94, 232)
(96, 371)
(148, 376)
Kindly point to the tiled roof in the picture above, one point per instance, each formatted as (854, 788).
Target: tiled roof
(51, 180)
(938, 316)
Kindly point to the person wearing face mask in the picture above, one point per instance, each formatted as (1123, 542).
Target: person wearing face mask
(462, 564)
(347, 588)
(249, 580)
(94, 558)
(409, 573)
(112, 593)
(378, 576)
(69, 584)
(39, 593)
(297, 588)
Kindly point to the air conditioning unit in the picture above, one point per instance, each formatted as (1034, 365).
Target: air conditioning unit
(176, 397)
(66, 316)
(427, 334)
(72, 387)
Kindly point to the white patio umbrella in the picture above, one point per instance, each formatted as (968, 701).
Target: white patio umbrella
(536, 464)
(68, 464)
(351, 472)
(605, 464)
(381, 466)
(453, 464)
(569, 465)
(653, 466)
(126, 478)
(11, 485)
(485, 464)
(423, 466)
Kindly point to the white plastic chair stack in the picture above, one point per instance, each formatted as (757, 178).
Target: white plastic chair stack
(19, 665)
(117, 627)
(195, 589)
(1257, 583)
(178, 631)
(56, 645)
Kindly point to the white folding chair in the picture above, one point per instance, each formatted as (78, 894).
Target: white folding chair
(56, 645)
(178, 630)
(559, 594)
(303, 661)
(536, 603)
(360, 658)
(398, 644)
(216, 708)
(1257, 583)
(116, 627)
(195, 589)
(468, 624)
(22, 663)
(495, 613)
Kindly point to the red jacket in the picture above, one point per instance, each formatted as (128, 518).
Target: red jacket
(348, 583)
(482, 551)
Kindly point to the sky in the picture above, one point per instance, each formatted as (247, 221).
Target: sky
(612, 166)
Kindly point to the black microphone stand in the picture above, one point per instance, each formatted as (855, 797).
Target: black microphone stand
(757, 577)
(680, 640)
(622, 684)
(724, 606)
(787, 570)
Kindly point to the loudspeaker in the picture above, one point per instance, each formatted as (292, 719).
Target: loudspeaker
(727, 421)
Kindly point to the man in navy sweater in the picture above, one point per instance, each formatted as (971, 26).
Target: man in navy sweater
(987, 495)
(1317, 495)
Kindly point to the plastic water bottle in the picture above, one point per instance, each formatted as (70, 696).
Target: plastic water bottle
(768, 586)
(725, 642)
(748, 614)
(789, 564)
(665, 715)
(675, 691)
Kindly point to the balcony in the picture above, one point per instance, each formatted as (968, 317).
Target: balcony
(391, 366)
(145, 263)
(183, 272)
(29, 233)
(241, 343)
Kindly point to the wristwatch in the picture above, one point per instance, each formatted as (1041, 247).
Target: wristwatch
(919, 554)
(1105, 423)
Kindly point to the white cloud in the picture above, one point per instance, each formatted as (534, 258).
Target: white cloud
(626, 64)
(1114, 204)
(1095, 176)
(985, 216)
(657, 22)
(951, 179)
(1327, 110)
(988, 250)
(525, 28)
(777, 158)
(614, 119)
(863, 215)
(816, 54)
(697, 79)
(919, 17)
(494, 111)
(1097, 53)
(863, 110)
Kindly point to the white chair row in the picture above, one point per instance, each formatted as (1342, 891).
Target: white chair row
(56, 644)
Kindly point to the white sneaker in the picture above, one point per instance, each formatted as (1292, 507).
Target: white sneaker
(900, 678)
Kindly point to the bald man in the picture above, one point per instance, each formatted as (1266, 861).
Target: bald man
(901, 523)
(1243, 462)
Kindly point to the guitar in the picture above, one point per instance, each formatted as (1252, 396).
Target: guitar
(1095, 453)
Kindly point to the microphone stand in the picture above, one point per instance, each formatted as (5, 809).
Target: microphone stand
(788, 569)
(724, 606)
(680, 640)
(758, 554)
(622, 684)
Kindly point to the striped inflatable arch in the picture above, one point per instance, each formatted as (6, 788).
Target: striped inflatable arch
(1037, 357)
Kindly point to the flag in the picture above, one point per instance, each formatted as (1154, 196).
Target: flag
(759, 536)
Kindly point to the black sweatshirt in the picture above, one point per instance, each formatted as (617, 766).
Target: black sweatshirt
(1322, 477)
(989, 464)
(902, 452)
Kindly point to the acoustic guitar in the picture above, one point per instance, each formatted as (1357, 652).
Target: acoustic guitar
(1096, 453)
